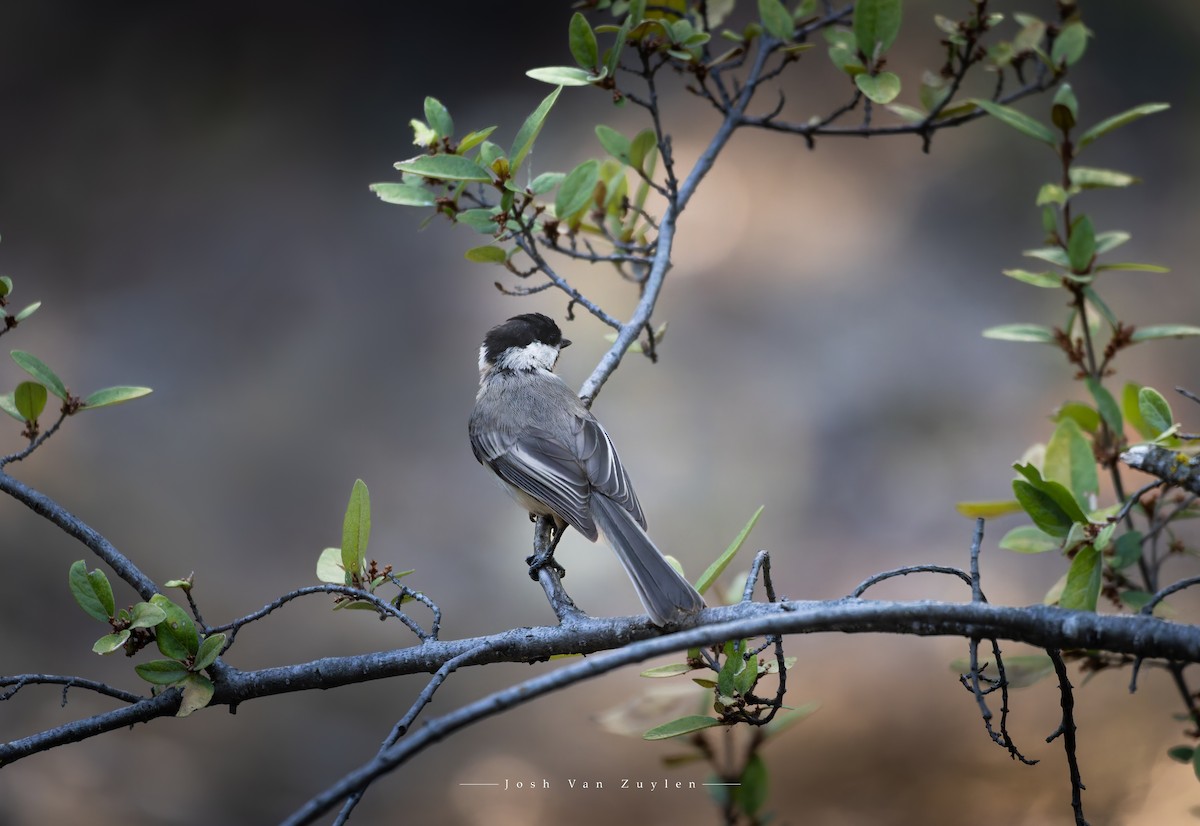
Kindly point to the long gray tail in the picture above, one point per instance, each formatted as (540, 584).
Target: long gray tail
(667, 596)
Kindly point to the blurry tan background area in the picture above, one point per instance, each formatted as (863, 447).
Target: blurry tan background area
(184, 186)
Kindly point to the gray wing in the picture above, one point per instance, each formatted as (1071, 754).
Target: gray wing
(562, 476)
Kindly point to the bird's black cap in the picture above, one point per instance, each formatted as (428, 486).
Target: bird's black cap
(521, 331)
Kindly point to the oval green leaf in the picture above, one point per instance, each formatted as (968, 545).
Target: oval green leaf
(489, 254)
(438, 117)
(1081, 247)
(577, 189)
(722, 562)
(1070, 462)
(614, 142)
(35, 367)
(529, 131)
(1021, 332)
(1155, 410)
(562, 75)
(1083, 581)
(880, 88)
(110, 642)
(1037, 279)
(1017, 120)
(209, 650)
(678, 728)
(115, 395)
(98, 604)
(988, 510)
(876, 24)
(404, 194)
(1042, 508)
(1117, 121)
(30, 400)
(1028, 539)
(582, 41)
(161, 672)
(27, 312)
(356, 528)
(446, 168)
(197, 693)
(672, 670)
(146, 615)
(176, 635)
(776, 19)
(1165, 331)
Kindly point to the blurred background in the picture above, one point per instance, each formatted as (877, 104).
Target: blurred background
(184, 187)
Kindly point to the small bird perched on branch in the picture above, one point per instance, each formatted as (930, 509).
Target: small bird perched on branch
(553, 457)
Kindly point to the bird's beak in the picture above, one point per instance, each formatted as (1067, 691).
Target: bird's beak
(566, 342)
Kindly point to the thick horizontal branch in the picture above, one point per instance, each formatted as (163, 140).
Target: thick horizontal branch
(1038, 625)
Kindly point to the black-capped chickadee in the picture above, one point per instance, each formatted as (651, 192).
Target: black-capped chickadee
(553, 457)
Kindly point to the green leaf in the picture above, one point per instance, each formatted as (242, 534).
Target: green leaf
(1065, 108)
(880, 88)
(1070, 462)
(1084, 415)
(583, 42)
(209, 650)
(1106, 404)
(5, 285)
(751, 795)
(677, 728)
(37, 368)
(1087, 177)
(1081, 247)
(1110, 240)
(438, 117)
(1043, 509)
(1029, 539)
(1133, 415)
(1117, 121)
(1132, 267)
(110, 642)
(473, 139)
(480, 220)
(1051, 255)
(1155, 410)
(146, 615)
(27, 312)
(489, 153)
(1017, 120)
(404, 194)
(489, 254)
(92, 591)
(672, 670)
(197, 693)
(9, 405)
(577, 190)
(776, 19)
(843, 51)
(446, 168)
(1070, 44)
(545, 182)
(1021, 332)
(30, 400)
(613, 56)
(1181, 754)
(562, 75)
(356, 528)
(161, 672)
(529, 131)
(176, 635)
(115, 395)
(1096, 302)
(329, 567)
(1165, 331)
(1127, 550)
(1083, 581)
(737, 676)
(1037, 279)
(614, 142)
(722, 562)
(643, 148)
(988, 510)
(876, 24)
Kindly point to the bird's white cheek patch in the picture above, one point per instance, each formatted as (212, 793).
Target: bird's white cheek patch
(533, 356)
